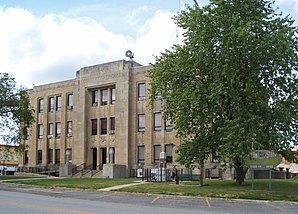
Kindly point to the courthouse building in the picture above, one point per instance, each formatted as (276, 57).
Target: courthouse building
(102, 116)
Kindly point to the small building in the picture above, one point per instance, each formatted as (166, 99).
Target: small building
(288, 166)
(9, 158)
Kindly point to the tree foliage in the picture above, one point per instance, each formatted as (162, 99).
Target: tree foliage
(15, 112)
(231, 87)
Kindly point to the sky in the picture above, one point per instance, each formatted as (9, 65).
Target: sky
(48, 41)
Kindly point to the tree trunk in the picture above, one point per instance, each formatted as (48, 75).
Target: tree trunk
(202, 174)
(240, 171)
(240, 175)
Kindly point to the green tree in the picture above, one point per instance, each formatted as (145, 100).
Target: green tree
(15, 112)
(231, 87)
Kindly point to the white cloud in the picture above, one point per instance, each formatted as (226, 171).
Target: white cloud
(51, 48)
(157, 34)
(133, 17)
(39, 50)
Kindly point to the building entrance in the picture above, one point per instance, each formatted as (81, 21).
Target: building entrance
(94, 158)
(103, 155)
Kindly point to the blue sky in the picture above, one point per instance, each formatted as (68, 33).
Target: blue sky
(42, 41)
(110, 13)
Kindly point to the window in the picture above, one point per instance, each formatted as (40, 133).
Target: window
(157, 121)
(94, 95)
(215, 158)
(157, 95)
(157, 150)
(69, 101)
(169, 153)
(15, 156)
(58, 103)
(8, 156)
(39, 156)
(69, 128)
(58, 129)
(57, 156)
(103, 126)
(141, 91)
(26, 157)
(94, 126)
(112, 125)
(39, 131)
(141, 154)
(26, 133)
(50, 156)
(168, 125)
(40, 105)
(50, 130)
(68, 155)
(2, 155)
(113, 95)
(141, 122)
(104, 97)
(51, 104)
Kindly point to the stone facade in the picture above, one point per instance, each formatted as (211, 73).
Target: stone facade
(102, 116)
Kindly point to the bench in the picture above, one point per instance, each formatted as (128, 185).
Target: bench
(189, 177)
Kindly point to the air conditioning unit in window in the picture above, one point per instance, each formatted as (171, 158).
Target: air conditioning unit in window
(112, 132)
(142, 98)
(50, 136)
(69, 135)
(94, 104)
(69, 107)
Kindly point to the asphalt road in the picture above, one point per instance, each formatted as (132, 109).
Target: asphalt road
(23, 199)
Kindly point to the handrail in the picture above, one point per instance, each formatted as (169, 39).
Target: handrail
(87, 169)
(53, 168)
(98, 169)
(77, 169)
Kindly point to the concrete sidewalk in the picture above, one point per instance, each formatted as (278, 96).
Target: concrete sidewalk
(104, 189)
(121, 186)
(32, 178)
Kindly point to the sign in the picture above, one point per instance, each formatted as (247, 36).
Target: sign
(263, 159)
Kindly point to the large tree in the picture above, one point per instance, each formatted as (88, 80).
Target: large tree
(231, 87)
(16, 115)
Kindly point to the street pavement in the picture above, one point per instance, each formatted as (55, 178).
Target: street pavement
(27, 199)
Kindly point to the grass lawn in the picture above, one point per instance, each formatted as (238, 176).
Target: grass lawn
(281, 189)
(80, 183)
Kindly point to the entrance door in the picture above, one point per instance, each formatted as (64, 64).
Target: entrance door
(103, 155)
(94, 158)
